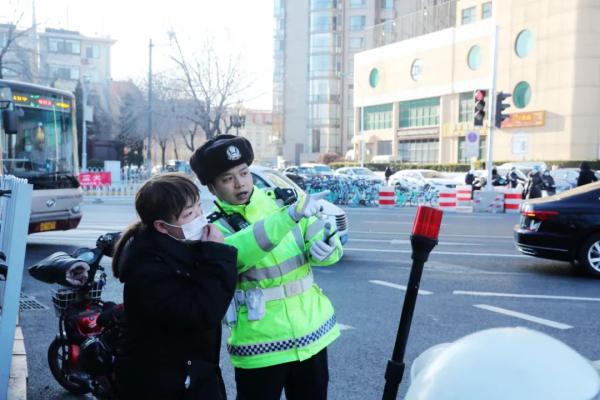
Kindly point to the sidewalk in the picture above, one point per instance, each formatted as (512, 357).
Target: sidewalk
(17, 384)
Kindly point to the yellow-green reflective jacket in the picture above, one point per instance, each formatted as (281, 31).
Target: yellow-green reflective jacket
(273, 252)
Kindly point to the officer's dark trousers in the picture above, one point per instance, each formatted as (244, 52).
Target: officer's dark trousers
(301, 380)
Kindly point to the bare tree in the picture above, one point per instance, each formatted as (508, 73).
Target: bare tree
(165, 100)
(16, 55)
(214, 83)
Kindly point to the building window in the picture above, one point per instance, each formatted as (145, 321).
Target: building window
(461, 149)
(357, 23)
(377, 117)
(357, 43)
(321, 22)
(374, 77)
(474, 58)
(63, 72)
(524, 43)
(486, 10)
(466, 105)
(64, 46)
(522, 94)
(416, 70)
(384, 148)
(92, 51)
(423, 112)
(358, 3)
(468, 15)
(419, 151)
(323, 4)
(388, 25)
(387, 4)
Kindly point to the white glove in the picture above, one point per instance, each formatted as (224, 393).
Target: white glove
(322, 249)
(307, 206)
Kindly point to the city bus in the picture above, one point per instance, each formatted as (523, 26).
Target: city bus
(38, 139)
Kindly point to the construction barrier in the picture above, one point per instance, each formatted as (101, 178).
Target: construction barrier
(491, 202)
(387, 196)
(512, 200)
(464, 198)
(447, 200)
(111, 190)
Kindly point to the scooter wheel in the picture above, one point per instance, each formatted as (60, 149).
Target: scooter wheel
(58, 361)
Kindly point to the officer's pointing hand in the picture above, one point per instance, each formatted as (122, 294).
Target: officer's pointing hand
(307, 206)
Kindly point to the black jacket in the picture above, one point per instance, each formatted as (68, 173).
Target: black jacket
(175, 297)
(533, 188)
(586, 176)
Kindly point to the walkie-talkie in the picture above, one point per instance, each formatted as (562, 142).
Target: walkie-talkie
(235, 220)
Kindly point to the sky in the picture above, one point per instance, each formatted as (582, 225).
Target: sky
(243, 27)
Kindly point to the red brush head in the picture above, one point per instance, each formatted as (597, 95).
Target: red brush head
(427, 222)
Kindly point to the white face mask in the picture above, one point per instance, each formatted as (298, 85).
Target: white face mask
(192, 230)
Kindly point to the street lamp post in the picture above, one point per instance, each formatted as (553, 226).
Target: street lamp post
(238, 120)
(149, 145)
(84, 93)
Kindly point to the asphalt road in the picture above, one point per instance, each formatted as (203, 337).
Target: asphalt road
(474, 279)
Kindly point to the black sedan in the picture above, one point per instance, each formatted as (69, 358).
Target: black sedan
(563, 227)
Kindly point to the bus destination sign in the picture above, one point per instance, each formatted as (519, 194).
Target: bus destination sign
(38, 101)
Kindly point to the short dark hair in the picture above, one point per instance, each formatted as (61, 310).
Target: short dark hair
(162, 197)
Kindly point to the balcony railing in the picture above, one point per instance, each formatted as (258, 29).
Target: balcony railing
(427, 20)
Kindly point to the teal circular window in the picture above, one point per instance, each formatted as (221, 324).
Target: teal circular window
(524, 43)
(474, 58)
(374, 77)
(522, 94)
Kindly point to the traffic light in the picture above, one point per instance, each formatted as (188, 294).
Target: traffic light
(500, 107)
(479, 110)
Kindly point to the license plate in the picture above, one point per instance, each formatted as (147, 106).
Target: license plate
(47, 226)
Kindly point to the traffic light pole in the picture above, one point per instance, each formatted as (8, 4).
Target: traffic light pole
(492, 96)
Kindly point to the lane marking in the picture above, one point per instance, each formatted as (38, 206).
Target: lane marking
(524, 296)
(399, 287)
(402, 241)
(448, 253)
(527, 317)
(388, 222)
(482, 236)
(322, 271)
(344, 327)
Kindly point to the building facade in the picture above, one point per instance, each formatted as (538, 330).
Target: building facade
(414, 98)
(315, 43)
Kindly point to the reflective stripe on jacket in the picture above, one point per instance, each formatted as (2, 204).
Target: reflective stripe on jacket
(293, 328)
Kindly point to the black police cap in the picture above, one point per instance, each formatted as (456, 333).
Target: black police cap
(220, 154)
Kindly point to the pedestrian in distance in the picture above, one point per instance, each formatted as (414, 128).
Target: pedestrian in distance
(533, 188)
(549, 186)
(513, 178)
(470, 177)
(586, 175)
(388, 172)
(179, 278)
(497, 179)
(283, 322)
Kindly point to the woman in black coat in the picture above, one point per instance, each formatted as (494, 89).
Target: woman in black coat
(179, 279)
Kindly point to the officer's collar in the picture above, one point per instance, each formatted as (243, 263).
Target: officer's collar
(240, 208)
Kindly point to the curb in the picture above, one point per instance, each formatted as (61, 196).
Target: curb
(17, 381)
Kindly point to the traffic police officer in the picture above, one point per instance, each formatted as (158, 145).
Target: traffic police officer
(284, 322)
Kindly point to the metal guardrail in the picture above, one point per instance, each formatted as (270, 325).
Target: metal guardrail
(15, 207)
(427, 20)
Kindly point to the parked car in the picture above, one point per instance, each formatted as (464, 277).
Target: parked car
(420, 177)
(563, 227)
(270, 178)
(359, 173)
(320, 169)
(525, 166)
